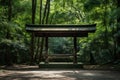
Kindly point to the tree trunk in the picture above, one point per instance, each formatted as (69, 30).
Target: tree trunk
(45, 11)
(42, 39)
(48, 11)
(118, 29)
(92, 60)
(41, 49)
(37, 49)
(105, 25)
(117, 40)
(34, 2)
(8, 55)
(42, 21)
(118, 18)
(9, 17)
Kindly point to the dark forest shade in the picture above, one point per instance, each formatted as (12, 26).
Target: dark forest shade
(53, 30)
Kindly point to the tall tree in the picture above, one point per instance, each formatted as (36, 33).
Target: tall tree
(9, 17)
(118, 27)
(118, 18)
(34, 3)
(40, 46)
(45, 17)
(46, 12)
(105, 24)
(8, 56)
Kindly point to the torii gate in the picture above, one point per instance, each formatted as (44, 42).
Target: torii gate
(60, 30)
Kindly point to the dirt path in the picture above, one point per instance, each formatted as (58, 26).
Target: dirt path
(33, 73)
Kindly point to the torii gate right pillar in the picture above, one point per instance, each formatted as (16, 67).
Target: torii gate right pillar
(75, 51)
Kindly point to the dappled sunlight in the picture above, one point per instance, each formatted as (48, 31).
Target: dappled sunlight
(59, 74)
(89, 74)
(84, 73)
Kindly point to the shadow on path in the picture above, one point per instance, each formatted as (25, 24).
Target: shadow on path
(34, 73)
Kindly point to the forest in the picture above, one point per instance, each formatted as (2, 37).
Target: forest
(101, 47)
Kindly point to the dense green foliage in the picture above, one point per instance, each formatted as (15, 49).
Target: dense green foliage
(99, 48)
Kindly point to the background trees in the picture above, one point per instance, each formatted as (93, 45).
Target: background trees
(100, 48)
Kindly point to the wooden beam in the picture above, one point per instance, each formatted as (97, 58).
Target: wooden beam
(75, 51)
(46, 50)
(61, 34)
(32, 48)
(60, 28)
(59, 25)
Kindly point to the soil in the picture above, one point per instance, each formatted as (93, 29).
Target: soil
(23, 72)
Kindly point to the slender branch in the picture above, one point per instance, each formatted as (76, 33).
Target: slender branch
(48, 11)
(40, 11)
(44, 14)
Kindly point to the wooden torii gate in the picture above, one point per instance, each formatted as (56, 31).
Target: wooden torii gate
(58, 30)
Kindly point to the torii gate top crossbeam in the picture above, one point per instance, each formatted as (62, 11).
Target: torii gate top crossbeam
(53, 30)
